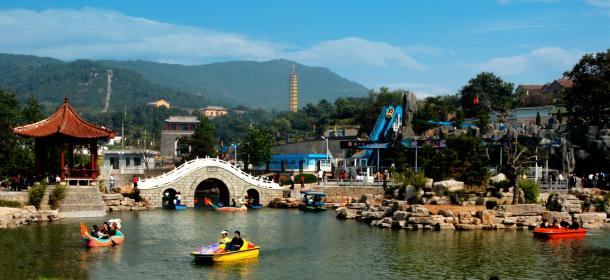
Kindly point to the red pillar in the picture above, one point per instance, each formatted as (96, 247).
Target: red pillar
(93, 159)
(37, 158)
(61, 161)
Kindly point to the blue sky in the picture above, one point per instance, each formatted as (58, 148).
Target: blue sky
(429, 47)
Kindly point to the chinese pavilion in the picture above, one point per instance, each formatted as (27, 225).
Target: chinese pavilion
(65, 129)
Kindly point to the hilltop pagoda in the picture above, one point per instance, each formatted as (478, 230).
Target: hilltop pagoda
(65, 129)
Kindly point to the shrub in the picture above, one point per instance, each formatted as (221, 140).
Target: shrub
(553, 203)
(56, 196)
(502, 186)
(530, 189)
(11, 203)
(36, 193)
(458, 197)
(491, 204)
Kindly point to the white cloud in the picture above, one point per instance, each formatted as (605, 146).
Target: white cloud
(353, 51)
(540, 59)
(599, 3)
(421, 90)
(96, 33)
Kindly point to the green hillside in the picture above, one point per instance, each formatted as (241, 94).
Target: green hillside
(50, 80)
(248, 83)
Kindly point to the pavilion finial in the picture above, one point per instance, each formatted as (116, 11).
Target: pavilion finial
(66, 99)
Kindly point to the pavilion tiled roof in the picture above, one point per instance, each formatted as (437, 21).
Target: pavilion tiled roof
(67, 122)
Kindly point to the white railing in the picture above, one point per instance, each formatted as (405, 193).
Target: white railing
(193, 165)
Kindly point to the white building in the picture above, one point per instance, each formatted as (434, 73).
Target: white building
(128, 161)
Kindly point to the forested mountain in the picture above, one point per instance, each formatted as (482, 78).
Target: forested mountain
(84, 81)
(249, 83)
(231, 84)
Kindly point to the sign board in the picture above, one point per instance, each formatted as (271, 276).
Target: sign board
(353, 144)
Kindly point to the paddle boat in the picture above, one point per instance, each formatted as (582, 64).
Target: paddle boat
(242, 208)
(313, 202)
(559, 232)
(255, 206)
(216, 253)
(180, 207)
(91, 241)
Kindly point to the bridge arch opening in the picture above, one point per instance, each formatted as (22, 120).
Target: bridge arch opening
(253, 196)
(167, 200)
(214, 190)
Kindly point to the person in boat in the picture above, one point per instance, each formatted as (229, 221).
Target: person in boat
(575, 224)
(233, 204)
(105, 231)
(95, 232)
(113, 229)
(235, 243)
(564, 223)
(545, 223)
(224, 237)
(556, 224)
(177, 200)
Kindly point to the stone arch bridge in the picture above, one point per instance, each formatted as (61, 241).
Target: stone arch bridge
(197, 176)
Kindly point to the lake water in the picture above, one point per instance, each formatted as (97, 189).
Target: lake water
(294, 245)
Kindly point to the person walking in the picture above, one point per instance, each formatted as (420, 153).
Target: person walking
(292, 181)
(302, 181)
(320, 176)
(111, 183)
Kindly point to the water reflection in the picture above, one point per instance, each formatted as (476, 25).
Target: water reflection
(302, 245)
(229, 270)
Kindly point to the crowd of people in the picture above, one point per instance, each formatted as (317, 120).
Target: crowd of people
(105, 231)
(560, 224)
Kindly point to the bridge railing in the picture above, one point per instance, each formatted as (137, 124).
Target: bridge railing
(192, 165)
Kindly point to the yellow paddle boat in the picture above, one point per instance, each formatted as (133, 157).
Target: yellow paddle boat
(216, 253)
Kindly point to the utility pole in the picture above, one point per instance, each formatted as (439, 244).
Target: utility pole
(123, 129)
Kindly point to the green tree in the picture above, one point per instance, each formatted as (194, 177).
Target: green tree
(459, 118)
(15, 158)
(492, 94)
(32, 111)
(202, 142)
(589, 99)
(255, 147)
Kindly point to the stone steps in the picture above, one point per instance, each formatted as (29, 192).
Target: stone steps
(83, 202)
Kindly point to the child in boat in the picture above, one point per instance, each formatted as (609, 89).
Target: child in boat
(224, 238)
(545, 223)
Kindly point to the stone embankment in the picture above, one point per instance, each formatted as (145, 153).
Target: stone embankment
(398, 215)
(289, 202)
(117, 202)
(14, 217)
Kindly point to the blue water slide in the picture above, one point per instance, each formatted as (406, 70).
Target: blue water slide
(382, 128)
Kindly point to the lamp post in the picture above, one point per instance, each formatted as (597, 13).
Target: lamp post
(235, 150)
(326, 139)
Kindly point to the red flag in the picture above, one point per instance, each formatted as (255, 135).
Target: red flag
(475, 101)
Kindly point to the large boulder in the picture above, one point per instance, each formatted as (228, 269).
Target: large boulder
(418, 210)
(551, 216)
(446, 213)
(450, 185)
(346, 213)
(522, 209)
(400, 215)
(498, 178)
(585, 218)
(487, 216)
